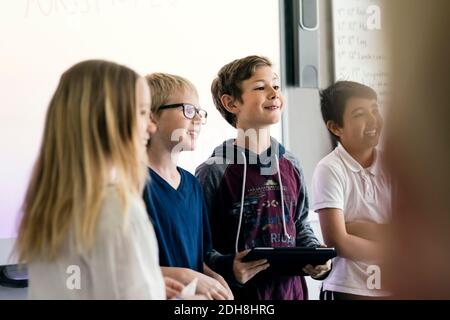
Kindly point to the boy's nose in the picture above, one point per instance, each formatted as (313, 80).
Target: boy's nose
(274, 94)
(373, 118)
(151, 127)
(197, 116)
(197, 119)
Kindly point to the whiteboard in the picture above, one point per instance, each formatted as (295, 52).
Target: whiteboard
(359, 48)
(40, 39)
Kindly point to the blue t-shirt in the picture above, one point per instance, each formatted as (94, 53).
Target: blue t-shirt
(180, 220)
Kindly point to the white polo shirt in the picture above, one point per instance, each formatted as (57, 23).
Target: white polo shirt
(340, 182)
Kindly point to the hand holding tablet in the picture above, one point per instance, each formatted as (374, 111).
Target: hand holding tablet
(291, 261)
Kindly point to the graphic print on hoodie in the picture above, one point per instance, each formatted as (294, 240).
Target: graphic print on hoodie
(223, 177)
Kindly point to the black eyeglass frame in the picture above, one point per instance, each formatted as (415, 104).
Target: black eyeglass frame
(197, 110)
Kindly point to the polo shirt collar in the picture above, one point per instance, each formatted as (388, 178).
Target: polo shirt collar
(354, 165)
(375, 168)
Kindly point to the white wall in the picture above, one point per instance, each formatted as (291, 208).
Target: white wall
(42, 38)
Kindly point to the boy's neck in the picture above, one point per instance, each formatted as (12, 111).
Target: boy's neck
(365, 157)
(161, 159)
(255, 140)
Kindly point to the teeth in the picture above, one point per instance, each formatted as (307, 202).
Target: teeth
(371, 133)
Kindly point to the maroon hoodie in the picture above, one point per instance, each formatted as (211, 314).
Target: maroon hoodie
(256, 220)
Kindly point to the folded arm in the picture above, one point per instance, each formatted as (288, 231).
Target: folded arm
(347, 245)
(368, 230)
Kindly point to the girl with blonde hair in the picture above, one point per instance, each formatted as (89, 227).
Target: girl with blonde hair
(84, 232)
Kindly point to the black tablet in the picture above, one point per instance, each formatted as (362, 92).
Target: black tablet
(291, 261)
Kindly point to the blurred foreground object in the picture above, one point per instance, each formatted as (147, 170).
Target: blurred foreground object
(418, 146)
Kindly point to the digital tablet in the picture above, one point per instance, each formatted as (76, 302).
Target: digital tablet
(291, 261)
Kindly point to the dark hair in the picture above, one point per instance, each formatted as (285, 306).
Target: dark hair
(229, 80)
(333, 101)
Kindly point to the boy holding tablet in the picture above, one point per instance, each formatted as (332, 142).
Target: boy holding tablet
(254, 188)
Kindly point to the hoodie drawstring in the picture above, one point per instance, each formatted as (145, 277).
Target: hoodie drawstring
(244, 180)
(242, 201)
(282, 198)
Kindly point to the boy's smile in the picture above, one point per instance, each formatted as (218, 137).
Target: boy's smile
(272, 108)
(193, 133)
(371, 133)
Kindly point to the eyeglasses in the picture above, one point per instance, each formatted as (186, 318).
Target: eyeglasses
(189, 111)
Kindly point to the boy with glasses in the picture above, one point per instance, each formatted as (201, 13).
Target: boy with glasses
(173, 196)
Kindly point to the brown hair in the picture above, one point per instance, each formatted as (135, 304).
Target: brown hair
(333, 101)
(229, 80)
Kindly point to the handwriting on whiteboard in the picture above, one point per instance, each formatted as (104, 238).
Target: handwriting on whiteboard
(360, 53)
(83, 7)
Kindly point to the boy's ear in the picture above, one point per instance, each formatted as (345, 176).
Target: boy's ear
(334, 128)
(228, 103)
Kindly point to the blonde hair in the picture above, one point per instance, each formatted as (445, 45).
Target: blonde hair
(163, 85)
(91, 126)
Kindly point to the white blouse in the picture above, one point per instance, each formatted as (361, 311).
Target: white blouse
(123, 263)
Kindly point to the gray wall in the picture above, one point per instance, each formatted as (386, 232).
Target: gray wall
(304, 132)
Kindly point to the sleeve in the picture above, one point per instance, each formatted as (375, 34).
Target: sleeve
(327, 188)
(124, 261)
(305, 235)
(210, 180)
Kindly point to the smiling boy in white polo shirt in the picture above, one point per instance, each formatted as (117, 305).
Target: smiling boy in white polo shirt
(352, 193)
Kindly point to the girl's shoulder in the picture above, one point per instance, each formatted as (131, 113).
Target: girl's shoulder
(118, 211)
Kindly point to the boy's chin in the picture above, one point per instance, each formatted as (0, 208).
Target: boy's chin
(189, 145)
(373, 142)
(276, 117)
(271, 121)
